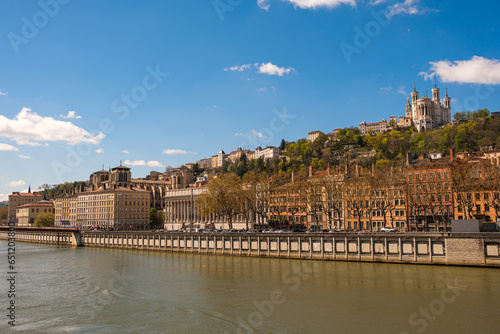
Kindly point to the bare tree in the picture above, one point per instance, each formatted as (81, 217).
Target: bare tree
(222, 198)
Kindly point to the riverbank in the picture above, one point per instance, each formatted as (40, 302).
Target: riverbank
(413, 248)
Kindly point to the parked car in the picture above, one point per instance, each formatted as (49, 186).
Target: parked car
(387, 229)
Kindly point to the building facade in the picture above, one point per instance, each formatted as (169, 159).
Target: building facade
(430, 198)
(182, 212)
(311, 136)
(373, 128)
(116, 208)
(27, 213)
(17, 199)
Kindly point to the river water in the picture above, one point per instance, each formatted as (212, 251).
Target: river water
(90, 290)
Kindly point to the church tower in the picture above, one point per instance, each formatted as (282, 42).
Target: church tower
(414, 99)
(408, 109)
(447, 101)
(435, 93)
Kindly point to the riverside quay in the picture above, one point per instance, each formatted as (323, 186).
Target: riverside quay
(466, 249)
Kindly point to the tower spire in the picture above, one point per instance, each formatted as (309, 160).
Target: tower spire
(435, 83)
(414, 87)
(446, 91)
(29, 189)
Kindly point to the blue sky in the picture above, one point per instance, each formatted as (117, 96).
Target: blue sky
(157, 83)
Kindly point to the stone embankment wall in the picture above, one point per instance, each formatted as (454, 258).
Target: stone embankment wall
(414, 248)
(55, 238)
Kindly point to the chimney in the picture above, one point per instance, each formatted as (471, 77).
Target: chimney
(311, 171)
(452, 153)
(130, 187)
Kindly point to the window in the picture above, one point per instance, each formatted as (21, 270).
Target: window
(478, 208)
(477, 196)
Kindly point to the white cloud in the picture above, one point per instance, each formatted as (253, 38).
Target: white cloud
(22, 156)
(238, 68)
(477, 70)
(125, 151)
(409, 7)
(272, 69)
(2, 93)
(390, 89)
(155, 164)
(4, 197)
(386, 89)
(308, 4)
(263, 4)
(151, 163)
(15, 183)
(401, 90)
(265, 89)
(71, 114)
(7, 147)
(377, 2)
(251, 133)
(264, 68)
(99, 151)
(173, 151)
(28, 128)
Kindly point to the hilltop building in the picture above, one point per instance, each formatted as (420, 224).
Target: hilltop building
(428, 113)
(311, 136)
(422, 112)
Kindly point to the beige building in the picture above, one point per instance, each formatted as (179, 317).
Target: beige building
(66, 210)
(373, 128)
(156, 183)
(205, 163)
(181, 210)
(268, 153)
(235, 156)
(27, 213)
(311, 136)
(17, 199)
(118, 208)
(493, 156)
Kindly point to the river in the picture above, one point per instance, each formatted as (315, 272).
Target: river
(90, 290)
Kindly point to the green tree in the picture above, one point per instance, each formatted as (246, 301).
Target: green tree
(282, 145)
(45, 220)
(155, 218)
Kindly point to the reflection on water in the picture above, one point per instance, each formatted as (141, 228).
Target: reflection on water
(88, 290)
